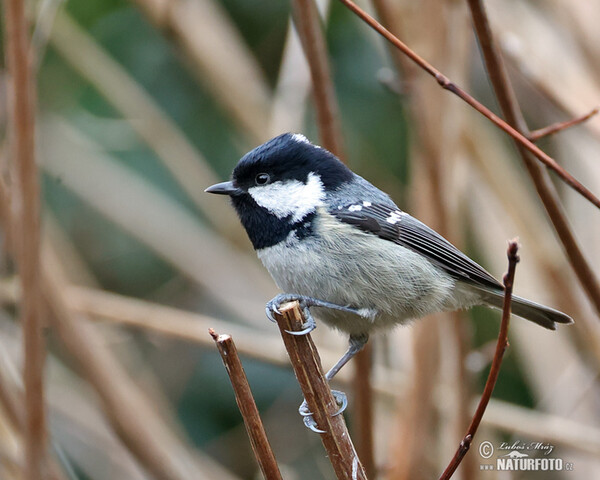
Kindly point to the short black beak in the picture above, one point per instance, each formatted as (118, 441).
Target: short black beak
(223, 188)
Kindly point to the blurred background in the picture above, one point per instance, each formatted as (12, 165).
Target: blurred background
(143, 104)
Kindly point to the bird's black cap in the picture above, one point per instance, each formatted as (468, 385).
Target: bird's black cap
(291, 157)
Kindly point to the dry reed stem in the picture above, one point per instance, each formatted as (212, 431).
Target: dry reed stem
(245, 401)
(536, 135)
(26, 231)
(501, 346)
(289, 105)
(173, 233)
(510, 189)
(12, 402)
(220, 59)
(363, 409)
(546, 191)
(309, 372)
(187, 326)
(308, 25)
(447, 84)
(435, 157)
(183, 325)
(581, 437)
(130, 414)
(185, 163)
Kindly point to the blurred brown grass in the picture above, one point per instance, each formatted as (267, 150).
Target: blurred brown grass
(119, 367)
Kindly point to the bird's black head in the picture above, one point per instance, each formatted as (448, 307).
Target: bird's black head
(277, 187)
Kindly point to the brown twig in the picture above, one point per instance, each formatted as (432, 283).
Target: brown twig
(490, 383)
(27, 231)
(545, 189)
(243, 396)
(307, 367)
(308, 25)
(535, 135)
(447, 84)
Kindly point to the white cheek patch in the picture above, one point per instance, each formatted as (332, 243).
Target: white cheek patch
(292, 197)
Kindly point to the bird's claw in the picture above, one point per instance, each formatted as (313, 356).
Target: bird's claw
(341, 399)
(309, 422)
(273, 305)
(307, 327)
(307, 416)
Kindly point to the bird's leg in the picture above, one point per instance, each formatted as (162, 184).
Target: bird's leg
(357, 342)
(305, 304)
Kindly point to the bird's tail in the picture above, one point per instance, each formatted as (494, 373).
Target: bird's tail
(544, 316)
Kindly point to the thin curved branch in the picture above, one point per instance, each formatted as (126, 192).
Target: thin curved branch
(447, 84)
(501, 346)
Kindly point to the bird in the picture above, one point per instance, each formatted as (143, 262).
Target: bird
(344, 250)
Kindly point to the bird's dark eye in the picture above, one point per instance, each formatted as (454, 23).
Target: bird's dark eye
(262, 179)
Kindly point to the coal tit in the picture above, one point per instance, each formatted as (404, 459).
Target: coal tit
(337, 243)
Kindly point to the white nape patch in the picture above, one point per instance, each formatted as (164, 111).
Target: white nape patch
(367, 204)
(298, 137)
(355, 208)
(368, 313)
(394, 217)
(291, 197)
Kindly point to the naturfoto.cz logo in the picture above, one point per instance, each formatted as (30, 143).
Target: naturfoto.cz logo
(519, 457)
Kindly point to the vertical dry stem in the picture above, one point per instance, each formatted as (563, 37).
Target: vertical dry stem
(307, 367)
(27, 230)
(310, 32)
(363, 409)
(243, 396)
(308, 24)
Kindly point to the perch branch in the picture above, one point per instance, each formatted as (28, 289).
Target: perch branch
(501, 347)
(447, 84)
(27, 231)
(307, 367)
(308, 25)
(560, 126)
(243, 396)
(543, 184)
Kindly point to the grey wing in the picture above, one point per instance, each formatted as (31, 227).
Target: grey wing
(389, 223)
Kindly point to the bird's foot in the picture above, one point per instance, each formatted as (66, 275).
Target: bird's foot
(307, 416)
(305, 302)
